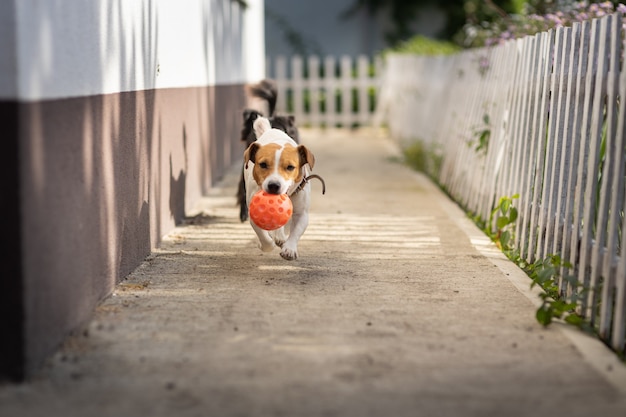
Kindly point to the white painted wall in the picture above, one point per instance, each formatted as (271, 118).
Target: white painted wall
(78, 48)
(254, 41)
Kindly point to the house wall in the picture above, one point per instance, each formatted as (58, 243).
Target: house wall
(121, 115)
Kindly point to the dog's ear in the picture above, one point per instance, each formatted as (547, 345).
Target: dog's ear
(250, 154)
(250, 115)
(306, 156)
(247, 132)
(261, 125)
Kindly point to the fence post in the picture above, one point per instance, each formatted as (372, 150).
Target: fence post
(282, 84)
(315, 102)
(298, 86)
(330, 87)
(346, 91)
(363, 88)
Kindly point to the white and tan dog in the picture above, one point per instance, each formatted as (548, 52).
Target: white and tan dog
(278, 165)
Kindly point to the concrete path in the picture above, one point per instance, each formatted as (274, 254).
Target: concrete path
(398, 306)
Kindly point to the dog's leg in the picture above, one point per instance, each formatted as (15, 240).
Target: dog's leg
(279, 236)
(241, 199)
(266, 243)
(299, 223)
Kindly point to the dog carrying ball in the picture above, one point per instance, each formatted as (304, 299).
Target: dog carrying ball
(270, 211)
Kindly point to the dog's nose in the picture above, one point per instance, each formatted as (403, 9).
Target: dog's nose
(273, 188)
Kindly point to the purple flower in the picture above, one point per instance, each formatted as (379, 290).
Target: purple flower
(621, 8)
(579, 5)
(607, 5)
(554, 19)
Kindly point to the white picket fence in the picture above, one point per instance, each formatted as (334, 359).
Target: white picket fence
(552, 105)
(326, 93)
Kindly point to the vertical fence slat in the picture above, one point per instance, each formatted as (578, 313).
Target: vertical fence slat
(562, 226)
(282, 84)
(539, 139)
(314, 90)
(511, 115)
(618, 340)
(534, 87)
(345, 80)
(497, 89)
(551, 146)
(298, 86)
(330, 87)
(608, 218)
(616, 236)
(555, 142)
(362, 86)
(585, 276)
(520, 113)
(590, 62)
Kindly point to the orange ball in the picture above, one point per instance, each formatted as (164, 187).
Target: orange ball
(270, 211)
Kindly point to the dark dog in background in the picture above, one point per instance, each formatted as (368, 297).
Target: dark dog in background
(267, 92)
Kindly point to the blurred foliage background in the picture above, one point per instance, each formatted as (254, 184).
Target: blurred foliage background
(474, 23)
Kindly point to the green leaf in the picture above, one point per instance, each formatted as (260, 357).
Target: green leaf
(512, 215)
(502, 222)
(544, 275)
(559, 307)
(544, 315)
(575, 320)
(505, 204)
(505, 238)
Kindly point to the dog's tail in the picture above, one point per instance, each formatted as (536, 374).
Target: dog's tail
(266, 89)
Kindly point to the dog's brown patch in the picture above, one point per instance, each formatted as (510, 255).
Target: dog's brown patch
(290, 161)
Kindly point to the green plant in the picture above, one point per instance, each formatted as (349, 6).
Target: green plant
(423, 158)
(421, 45)
(555, 304)
(503, 216)
(544, 272)
(482, 134)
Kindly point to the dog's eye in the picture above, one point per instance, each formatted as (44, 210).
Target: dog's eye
(290, 168)
(263, 165)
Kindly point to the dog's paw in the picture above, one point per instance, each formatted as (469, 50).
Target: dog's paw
(266, 246)
(289, 254)
(279, 236)
(265, 242)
